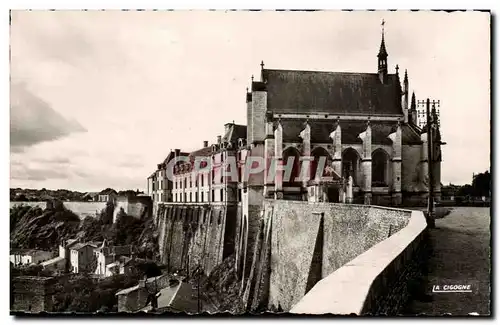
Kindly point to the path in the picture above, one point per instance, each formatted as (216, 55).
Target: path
(461, 255)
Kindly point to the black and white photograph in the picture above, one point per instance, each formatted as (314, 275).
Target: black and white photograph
(242, 162)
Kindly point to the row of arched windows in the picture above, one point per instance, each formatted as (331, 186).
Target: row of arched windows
(350, 165)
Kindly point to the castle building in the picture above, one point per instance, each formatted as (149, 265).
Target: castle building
(364, 125)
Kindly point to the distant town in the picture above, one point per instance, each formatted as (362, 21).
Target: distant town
(40, 195)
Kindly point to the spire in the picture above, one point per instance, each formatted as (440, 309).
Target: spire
(382, 58)
(382, 52)
(406, 76)
(413, 105)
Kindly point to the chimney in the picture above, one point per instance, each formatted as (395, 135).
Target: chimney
(205, 144)
(177, 152)
(219, 139)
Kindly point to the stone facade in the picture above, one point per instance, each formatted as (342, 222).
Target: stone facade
(33, 294)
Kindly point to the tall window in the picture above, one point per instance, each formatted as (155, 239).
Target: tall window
(221, 195)
(288, 155)
(317, 154)
(350, 164)
(379, 168)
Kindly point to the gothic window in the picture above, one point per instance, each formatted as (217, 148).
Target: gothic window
(317, 154)
(289, 154)
(379, 168)
(350, 164)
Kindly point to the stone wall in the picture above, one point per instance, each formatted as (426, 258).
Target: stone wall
(33, 294)
(195, 236)
(379, 281)
(139, 207)
(300, 243)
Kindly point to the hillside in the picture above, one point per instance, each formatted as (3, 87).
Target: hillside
(33, 227)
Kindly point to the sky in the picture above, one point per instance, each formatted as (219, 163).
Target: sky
(98, 98)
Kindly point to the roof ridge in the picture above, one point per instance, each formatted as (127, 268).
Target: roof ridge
(333, 72)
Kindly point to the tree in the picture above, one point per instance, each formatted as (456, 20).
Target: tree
(481, 184)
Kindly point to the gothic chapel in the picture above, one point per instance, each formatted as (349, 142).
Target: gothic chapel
(363, 123)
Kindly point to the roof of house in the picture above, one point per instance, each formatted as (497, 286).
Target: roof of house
(131, 289)
(52, 261)
(79, 246)
(203, 152)
(293, 91)
(177, 297)
(71, 242)
(234, 132)
(91, 194)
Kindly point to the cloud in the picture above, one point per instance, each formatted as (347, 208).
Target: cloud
(33, 121)
(25, 173)
(54, 160)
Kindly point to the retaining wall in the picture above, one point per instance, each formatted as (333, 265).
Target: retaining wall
(193, 236)
(300, 243)
(378, 281)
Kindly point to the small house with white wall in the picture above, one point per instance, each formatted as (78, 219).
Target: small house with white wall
(29, 256)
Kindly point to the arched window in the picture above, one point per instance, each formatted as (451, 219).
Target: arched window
(350, 164)
(380, 163)
(294, 179)
(317, 153)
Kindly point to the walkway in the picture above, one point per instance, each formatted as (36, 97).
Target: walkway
(461, 255)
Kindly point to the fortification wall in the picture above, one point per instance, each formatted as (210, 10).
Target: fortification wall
(195, 236)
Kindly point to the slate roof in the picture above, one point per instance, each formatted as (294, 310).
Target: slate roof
(293, 91)
(203, 152)
(321, 130)
(235, 132)
(81, 245)
(52, 261)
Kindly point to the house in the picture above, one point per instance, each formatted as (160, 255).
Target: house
(29, 256)
(81, 257)
(91, 197)
(107, 195)
(56, 264)
(106, 255)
